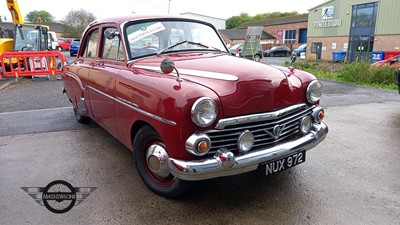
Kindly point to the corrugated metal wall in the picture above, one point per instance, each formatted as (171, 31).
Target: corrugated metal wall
(388, 18)
(315, 16)
(387, 22)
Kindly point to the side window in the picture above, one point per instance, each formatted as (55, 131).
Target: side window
(112, 48)
(91, 45)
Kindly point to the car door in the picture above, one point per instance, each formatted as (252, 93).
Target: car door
(76, 81)
(278, 51)
(102, 78)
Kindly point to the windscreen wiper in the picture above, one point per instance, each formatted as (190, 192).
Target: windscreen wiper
(186, 42)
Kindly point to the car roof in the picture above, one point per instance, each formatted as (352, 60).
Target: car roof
(134, 17)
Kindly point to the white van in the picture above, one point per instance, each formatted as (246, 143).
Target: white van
(52, 40)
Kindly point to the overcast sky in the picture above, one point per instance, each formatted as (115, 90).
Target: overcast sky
(102, 8)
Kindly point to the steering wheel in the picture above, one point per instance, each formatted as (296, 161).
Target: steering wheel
(27, 47)
(150, 48)
(146, 50)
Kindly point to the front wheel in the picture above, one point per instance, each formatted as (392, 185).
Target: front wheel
(257, 58)
(271, 54)
(151, 160)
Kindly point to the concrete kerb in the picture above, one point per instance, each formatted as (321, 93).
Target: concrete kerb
(5, 82)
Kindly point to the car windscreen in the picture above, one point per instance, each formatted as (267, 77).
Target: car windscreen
(26, 37)
(149, 38)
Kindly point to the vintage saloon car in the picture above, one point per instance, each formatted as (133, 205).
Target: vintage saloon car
(168, 88)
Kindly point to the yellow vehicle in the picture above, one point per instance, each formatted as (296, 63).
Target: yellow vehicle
(6, 40)
(26, 37)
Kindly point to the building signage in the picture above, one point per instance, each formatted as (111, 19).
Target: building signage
(327, 18)
(328, 23)
(327, 12)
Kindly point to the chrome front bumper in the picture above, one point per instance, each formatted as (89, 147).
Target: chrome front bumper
(224, 163)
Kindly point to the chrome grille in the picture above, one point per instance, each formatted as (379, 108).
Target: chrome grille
(259, 125)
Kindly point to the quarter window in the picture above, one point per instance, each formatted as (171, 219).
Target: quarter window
(91, 46)
(112, 48)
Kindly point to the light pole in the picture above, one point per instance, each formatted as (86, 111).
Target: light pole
(169, 4)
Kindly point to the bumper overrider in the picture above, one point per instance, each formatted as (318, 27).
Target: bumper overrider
(225, 163)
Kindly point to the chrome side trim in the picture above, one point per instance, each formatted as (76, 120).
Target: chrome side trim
(258, 117)
(224, 162)
(101, 93)
(133, 106)
(197, 73)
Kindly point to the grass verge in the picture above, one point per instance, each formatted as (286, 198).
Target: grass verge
(357, 72)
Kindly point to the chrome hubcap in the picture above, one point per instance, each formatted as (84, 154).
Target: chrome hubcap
(157, 160)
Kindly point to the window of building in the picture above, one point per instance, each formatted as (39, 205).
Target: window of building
(364, 15)
(290, 36)
(362, 31)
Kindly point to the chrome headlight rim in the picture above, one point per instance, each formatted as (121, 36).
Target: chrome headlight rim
(192, 144)
(318, 114)
(311, 98)
(195, 111)
(245, 141)
(305, 121)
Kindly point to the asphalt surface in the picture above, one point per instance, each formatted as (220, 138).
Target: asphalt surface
(350, 178)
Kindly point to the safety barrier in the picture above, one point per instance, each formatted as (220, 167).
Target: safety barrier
(31, 63)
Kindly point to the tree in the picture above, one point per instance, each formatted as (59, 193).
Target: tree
(39, 17)
(235, 21)
(76, 21)
(243, 18)
(273, 15)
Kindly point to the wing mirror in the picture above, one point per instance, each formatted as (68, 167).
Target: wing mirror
(167, 66)
(110, 34)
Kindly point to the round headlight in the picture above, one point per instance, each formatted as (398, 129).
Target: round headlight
(246, 141)
(305, 124)
(204, 112)
(314, 92)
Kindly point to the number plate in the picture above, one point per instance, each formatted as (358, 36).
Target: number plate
(285, 163)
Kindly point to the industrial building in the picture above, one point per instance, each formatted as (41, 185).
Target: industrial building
(355, 29)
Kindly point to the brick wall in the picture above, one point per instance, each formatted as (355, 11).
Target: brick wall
(381, 43)
(281, 27)
(387, 43)
(327, 49)
(273, 30)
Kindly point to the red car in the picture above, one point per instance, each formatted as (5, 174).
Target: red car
(170, 91)
(63, 44)
(394, 61)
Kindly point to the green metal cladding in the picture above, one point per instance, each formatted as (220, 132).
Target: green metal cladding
(387, 21)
